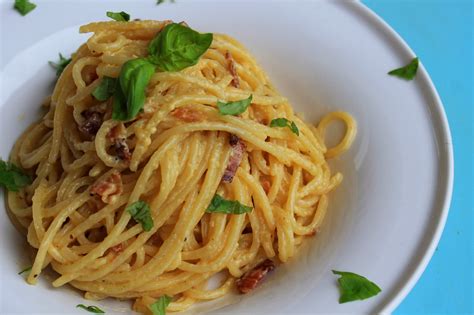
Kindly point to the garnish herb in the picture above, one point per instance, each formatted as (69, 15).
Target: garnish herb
(141, 213)
(407, 72)
(12, 177)
(221, 205)
(159, 307)
(177, 47)
(61, 65)
(24, 6)
(283, 122)
(91, 308)
(119, 16)
(234, 108)
(105, 89)
(161, 1)
(25, 270)
(355, 287)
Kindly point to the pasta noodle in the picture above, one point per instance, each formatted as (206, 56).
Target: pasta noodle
(173, 155)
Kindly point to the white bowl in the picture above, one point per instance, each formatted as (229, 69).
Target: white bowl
(385, 219)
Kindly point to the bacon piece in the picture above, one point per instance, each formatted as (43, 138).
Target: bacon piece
(116, 249)
(254, 277)
(118, 137)
(92, 122)
(238, 149)
(233, 71)
(187, 114)
(108, 188)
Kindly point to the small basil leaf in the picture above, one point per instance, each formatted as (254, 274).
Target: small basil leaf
(25, 270)
(141, 213)
(119, 16)
(61, 65)
(24, 6)
(161, 1)
(119, 111)
(234, 108)
(407, 72)
(177, 47)
(12, 177)
(221, 205)
(355, 287)
(91, 308)
(105, 89)
(283, 122)
(159, 307)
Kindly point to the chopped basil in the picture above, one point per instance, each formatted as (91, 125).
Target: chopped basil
(354, 287)
(283, 122)
(61, 65)
(159, 307)
(91, 308)
(129, 97)
(24, 6)
(141, 213)
(12, 177)
(407, 72)
(105, 89)
(25, 270)
(177, 47)
(221, 205)
(234, 108)
(119, 16)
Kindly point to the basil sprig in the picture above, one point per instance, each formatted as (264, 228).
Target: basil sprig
(234, 108)
(12, 177)
(61, 65)
(159, 307)
(105, 89)
(355, 287)
(407, 72)
(24, 6)
(283, 122)
(91, 308)
(119, 16)
(221, 205)
(141, 213)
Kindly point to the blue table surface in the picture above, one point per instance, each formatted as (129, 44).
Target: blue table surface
(440, 32)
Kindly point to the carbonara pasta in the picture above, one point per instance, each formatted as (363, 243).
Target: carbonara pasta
(180, 156)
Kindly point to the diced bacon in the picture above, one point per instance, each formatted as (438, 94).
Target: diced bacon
(232, 69)
(117, 248)
(92, 122)
(238, 149)
(254, 277)
(108, 188)
(187, 114)
(118, 137)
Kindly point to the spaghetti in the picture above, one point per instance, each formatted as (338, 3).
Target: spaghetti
(174, 155)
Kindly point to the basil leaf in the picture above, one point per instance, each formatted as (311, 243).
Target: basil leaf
(24, 6)
(283, 122)
(91, 309)
(105, 89)
(129, 98)
(234, 108)
(12, 177)
(407, 72)
(161, 1)
(177, 47)
(119, 16)
(221, 205)
(159, 307)
(61, 65)
(25, 270)
(355, 287)
(141, 213)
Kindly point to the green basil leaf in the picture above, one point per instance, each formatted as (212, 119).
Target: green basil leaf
(119, 16)
(91, 308)
(177, 47)
(141, 213)
(161, 1)
(407, 72)
(24, 6)
(159, 307)
(283, 122)
(25, 270)
(234, 108)
(221, 205)
(12, 177)
(105, 89)
(61, 65)
(129, 98)
(355, 287)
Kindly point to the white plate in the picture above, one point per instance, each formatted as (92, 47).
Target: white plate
(384, 221)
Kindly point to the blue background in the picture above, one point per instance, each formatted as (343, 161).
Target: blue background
(441, 34)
